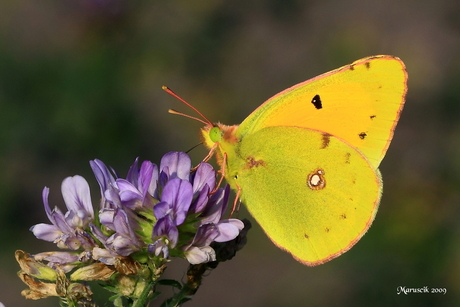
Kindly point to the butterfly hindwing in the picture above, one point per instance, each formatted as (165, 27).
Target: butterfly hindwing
(314, 203)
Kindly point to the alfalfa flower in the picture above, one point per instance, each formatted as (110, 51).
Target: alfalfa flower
(144, 220)
(68, 230)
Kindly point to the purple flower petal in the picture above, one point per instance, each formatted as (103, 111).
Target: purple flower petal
(98, 233)
(146, 175)
(205, 235)
(125, 185)
(68, 241)
(113, 198)
(75, 191)
(197, 255)
(204, 175)
(178, 164)
(45, 194)
(152, 187)
(216, 206)
(199, 204)
(46, 232)
(60, 221)
(124, 241)
(165, 227)
(56, 257)
(131, 199)
(106, 217)
(161, 209)
(228, 230)
(122, 245)
(133, 173)
(121, 224)
(178, 193)
(159, 247)
(102, 173)
(129, 195)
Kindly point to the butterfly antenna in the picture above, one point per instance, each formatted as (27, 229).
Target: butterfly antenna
(205, 120)
(172, 111)
(201, 143)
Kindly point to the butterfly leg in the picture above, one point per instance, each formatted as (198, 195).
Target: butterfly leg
(207, 158)
(211, 152)
(236, 202)
(221, 171)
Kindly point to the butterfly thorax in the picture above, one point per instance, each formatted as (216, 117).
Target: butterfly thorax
(225, 141)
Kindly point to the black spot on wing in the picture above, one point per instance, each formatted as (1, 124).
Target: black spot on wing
(368, 65)
(316, 101)
(362, 135)
(352, 67)
(373, 116)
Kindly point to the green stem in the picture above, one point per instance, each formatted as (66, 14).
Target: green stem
(181, 297)
(144, 298)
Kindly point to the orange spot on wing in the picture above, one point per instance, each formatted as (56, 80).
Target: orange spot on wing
(252, 162)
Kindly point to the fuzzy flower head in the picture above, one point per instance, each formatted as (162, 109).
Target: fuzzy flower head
(143, 220)
(162, 212)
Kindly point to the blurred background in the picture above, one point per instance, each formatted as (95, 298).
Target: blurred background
(81, 79)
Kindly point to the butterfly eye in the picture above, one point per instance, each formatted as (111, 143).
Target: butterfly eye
(215, 134)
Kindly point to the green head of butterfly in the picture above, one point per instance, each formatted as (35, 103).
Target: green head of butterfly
(215, 134)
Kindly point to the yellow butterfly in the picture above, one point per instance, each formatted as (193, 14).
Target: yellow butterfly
(306, 161)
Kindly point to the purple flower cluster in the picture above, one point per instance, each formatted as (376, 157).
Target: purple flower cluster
(159, 212)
